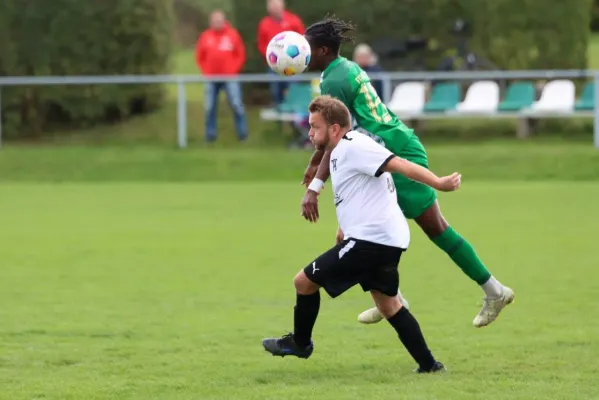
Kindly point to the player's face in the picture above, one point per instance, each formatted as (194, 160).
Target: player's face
(319, 131)
(322, 135)
(316, 56)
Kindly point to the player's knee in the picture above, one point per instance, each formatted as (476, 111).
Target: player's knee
(435, 230)
(303, 285)
(432, 221)
(387, 306)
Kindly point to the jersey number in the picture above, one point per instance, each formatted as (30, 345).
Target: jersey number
(377, 108)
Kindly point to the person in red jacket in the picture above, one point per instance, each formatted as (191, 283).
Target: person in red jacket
(278, 20)
(220, 51)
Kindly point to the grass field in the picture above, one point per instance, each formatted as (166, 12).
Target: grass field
(164, 291)
(132, 270)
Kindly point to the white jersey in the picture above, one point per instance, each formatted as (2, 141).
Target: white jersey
(365, 196)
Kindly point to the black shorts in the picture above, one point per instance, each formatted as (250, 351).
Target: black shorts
(373, 266)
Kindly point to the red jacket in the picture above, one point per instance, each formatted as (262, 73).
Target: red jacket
(270, 27)
(220, 52)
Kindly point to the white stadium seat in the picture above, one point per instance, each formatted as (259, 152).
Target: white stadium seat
(557, 96)
(408, 99)
(481, 97)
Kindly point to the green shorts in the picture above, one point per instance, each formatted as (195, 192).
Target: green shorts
(413, 197)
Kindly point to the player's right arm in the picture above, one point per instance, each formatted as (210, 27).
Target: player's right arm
(312, 168)
(340, 90)
(310, 200)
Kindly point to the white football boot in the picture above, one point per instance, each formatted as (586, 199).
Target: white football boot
(373, 315)
(493, 307)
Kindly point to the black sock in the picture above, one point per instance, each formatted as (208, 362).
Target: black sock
(304, 317)
(411, 336)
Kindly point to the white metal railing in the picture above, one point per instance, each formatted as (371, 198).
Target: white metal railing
(386, 78)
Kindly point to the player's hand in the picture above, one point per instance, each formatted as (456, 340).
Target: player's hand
(310, 206)
(450, 183)
(339, 236)
(310, 174)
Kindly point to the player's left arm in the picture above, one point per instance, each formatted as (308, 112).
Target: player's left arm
(395, 164)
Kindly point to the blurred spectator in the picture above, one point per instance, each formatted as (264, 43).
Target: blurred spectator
(278, 20)
(368, 61)
(220, 51)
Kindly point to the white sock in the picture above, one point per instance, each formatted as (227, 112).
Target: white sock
(493, 289)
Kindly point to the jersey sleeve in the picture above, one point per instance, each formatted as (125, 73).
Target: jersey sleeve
(369, 157)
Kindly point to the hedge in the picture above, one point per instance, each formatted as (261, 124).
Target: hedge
(534, 34)
(595, 16)
(74, 37)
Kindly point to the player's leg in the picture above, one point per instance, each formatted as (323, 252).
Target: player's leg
(408, 330)
(383, 281)
(335, 272)
(374, 316)
(305, 312)
(419, 202)
(464, 256)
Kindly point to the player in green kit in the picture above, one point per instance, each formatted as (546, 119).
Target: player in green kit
(346, 81)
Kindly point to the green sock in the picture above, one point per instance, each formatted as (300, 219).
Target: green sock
(462, 253)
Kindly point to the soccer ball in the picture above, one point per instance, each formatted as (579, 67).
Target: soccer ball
(288, 53)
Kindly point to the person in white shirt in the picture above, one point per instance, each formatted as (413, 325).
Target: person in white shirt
(372, 234)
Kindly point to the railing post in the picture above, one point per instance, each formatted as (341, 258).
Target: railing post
(181, 115)
(596, 112)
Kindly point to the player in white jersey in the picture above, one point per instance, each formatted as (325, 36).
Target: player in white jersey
(372, 234)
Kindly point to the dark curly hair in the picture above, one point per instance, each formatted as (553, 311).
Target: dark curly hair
(330, 32)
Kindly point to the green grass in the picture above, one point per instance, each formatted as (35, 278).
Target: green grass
(164, 291)
(493, 160)
(144, 272)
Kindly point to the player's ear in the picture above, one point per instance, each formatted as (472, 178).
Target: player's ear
(321, 51)
(336, 129)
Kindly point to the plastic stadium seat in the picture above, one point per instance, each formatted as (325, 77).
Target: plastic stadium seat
(297, 99)
(586, 102)
(481, 97)
(408, 98)
(557, 96)
(444, 97)
(519, 95)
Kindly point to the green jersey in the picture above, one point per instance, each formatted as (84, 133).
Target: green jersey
(346, 81)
